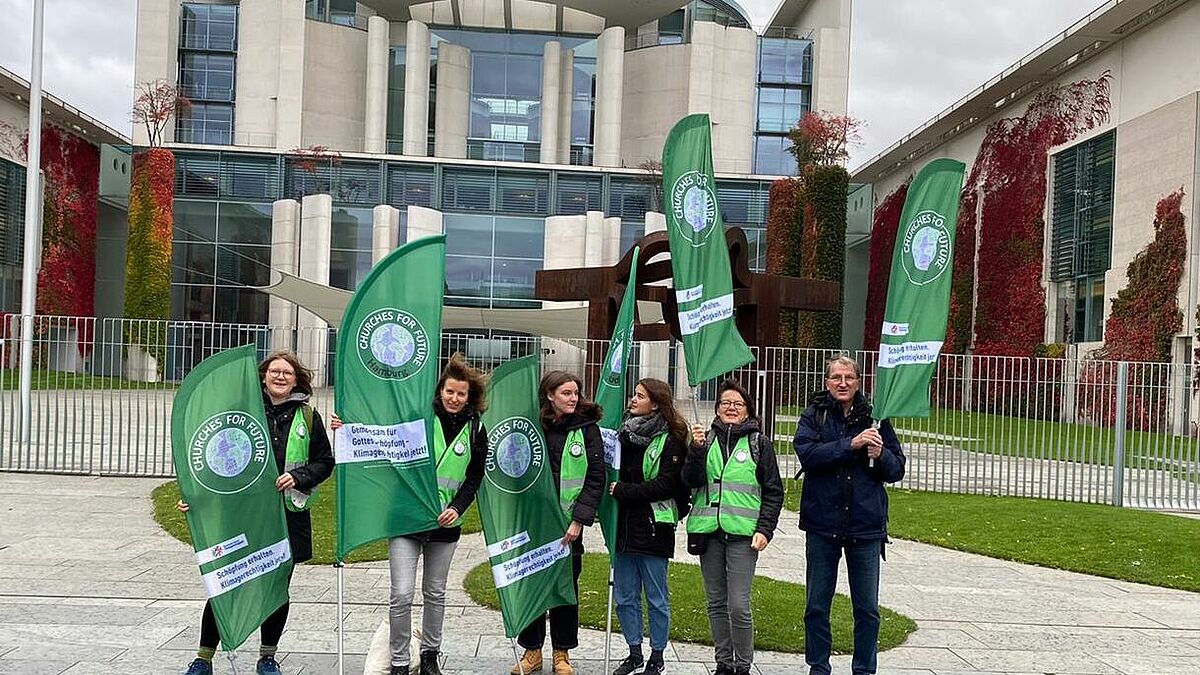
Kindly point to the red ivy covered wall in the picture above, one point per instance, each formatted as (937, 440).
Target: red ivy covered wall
(67, 279)
(883, 239)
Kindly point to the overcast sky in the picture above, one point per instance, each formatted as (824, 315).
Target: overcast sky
(909, 58)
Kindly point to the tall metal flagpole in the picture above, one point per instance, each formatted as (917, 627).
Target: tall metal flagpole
(33, 226)
(341, 646)
(608, 620)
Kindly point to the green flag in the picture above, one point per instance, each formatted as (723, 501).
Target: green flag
(227, 471)
(699, 256)
(523, 524)
(386, 373)
(918, 301)
(610, 394)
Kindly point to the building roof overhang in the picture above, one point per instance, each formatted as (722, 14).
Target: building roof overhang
(1086, 38)
(627, 13)
(59, 112)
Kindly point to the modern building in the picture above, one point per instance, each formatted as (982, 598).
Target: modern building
(1104, 184)
(324, 133)
(103, 169)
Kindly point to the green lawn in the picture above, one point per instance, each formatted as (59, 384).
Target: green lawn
(1021, 437)
(1140, 546)
(324, 516)
(10, 379)
(778, 608)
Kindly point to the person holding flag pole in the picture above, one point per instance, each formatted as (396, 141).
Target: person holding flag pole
(848, 456)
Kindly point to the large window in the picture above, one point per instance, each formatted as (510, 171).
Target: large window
(784, 96)
(771, 156)
(207, 72)
(12, 224)
(395, 102)
(1081, 231)
(491, 261)
(219, 249)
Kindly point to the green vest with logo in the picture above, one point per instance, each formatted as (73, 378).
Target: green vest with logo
(664, 509)
(452, 462)
(571, 471)
(296, 456)
(732, 498)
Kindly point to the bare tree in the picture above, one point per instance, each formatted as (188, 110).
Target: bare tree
(157, 103)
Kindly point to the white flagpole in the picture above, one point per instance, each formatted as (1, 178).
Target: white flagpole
(341, 571)
(608, 620)
(520, 661)
(33, 228)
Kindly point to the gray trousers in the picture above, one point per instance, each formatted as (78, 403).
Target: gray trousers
(728, 569)
(403, 554)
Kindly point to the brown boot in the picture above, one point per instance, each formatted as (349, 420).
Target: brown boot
(531, 662)
(562, 663)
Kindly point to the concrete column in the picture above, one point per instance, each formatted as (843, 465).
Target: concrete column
(423, 222)
(566, 82)
(610, 76)
(593, 252)
(655, 222)
(385, 231)
(285, 242)
(416, 89)
(289, 99)
(565, 246)
(375, 127)
(551, 100)
(610, 241)
(453, 118)
(158, 55)
(312, 336)
(654, 354)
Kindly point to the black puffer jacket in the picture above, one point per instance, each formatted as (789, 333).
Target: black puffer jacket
(843, 496)
(318, 468)
(636, 530)
(593, 482)
(695, 470)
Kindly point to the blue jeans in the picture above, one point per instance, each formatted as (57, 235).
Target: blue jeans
(862, 564)
(632, 574)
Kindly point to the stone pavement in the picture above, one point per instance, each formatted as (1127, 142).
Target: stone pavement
(89, 584)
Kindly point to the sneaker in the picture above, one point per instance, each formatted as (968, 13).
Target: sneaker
(429, 663)
(654, 667)
(630, 665)
(267, 666)
(723, 669)
(399, 670)
(199, 667)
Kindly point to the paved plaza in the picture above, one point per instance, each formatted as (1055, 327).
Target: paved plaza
(90, 584)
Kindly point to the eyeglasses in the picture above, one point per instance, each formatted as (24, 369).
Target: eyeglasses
(736, 405)
(843, 378)
(286, 374)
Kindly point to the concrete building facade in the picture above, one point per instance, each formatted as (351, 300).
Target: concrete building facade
(1148, 147)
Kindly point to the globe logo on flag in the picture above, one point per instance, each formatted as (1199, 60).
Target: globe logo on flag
(392, 344)
(693, 207)
(517, 455)
(925, 252)
(228, 452)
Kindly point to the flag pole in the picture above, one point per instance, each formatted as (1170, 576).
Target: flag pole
(341, 573)
(608, 620)
(520, 661)
(33, 222)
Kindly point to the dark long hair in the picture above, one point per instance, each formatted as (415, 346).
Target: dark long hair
(662, 396)
(552, 381)
(734, 385)
(303, 375)
(457, 368)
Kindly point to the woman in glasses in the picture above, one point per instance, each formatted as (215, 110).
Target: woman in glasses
(736, 502)
(304, 459)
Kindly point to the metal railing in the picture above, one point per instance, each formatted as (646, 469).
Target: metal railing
(1078, 430)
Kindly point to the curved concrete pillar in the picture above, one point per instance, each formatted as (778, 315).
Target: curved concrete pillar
(566, 83)
(385, 231)
(312, 334)
(453, 107)
(424, 222)
(375, 122)
(551, 100)
(416, 89)
(610, 77)
(285, 246)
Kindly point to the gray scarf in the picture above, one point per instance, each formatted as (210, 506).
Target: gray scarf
(642, 429)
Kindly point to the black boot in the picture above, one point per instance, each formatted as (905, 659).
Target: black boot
(399, 670)
(429, 664)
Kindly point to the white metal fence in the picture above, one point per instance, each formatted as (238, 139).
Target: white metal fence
(1078, 430)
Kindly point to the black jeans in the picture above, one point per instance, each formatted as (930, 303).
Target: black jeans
(564, 620)
(270, 632)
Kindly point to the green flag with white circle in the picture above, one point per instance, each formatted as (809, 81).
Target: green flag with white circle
(523, 524)
(699, 255)
(386, 373)
(918, 300)
(226, 469)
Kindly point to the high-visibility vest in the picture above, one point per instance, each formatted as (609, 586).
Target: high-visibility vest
(665, 510)
(571, 471)
(732, 497)
(452, 462)
(296, 455)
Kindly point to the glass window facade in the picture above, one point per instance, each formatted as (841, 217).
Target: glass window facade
(12, 225)
(207, 75)
(494, 220)
(784, 96)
